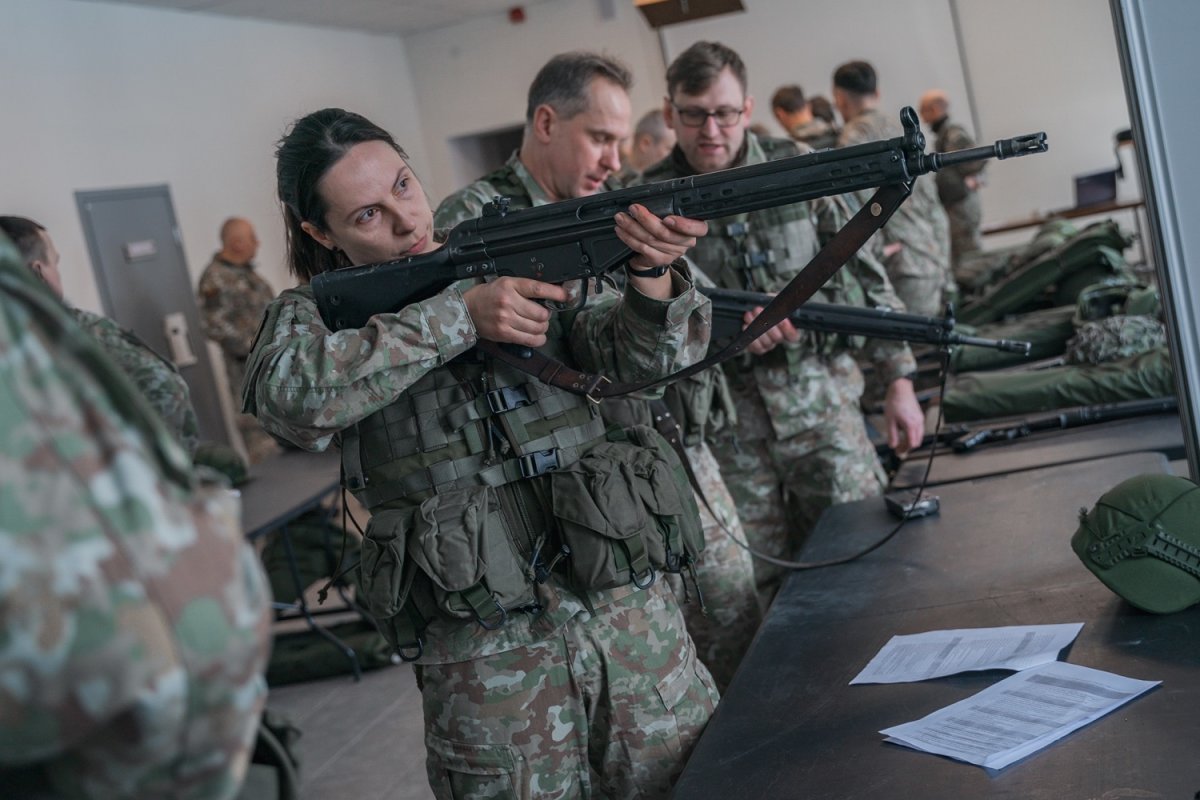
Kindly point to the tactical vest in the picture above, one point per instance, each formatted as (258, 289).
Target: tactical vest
(761, 251)
(483, 482)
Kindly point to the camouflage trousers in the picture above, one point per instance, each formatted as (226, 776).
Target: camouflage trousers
(965, 219)
(724, 575)
(782, 486)
(610, 706)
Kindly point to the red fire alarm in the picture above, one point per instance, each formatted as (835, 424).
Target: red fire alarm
(516, 15)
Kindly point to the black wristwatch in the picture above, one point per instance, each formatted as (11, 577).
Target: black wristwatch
(653, 272)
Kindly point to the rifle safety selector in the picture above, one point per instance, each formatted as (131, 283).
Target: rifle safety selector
(498, 207)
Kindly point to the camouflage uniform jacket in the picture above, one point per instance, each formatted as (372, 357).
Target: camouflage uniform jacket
(232, 300)
(951, 181)
(701, 403)
(135, 618)
(762, 251)
(157, 378)
(816, 133)
(306, 384)
(920, 224)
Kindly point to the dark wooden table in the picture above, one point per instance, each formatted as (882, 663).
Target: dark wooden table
(790, 726)
(1159, 432)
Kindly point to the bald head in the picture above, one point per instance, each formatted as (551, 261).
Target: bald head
(239, 245)
(934, 106)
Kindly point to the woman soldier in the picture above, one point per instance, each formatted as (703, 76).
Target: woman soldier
(512, 547)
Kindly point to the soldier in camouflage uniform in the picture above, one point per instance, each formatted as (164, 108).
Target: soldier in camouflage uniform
(135, 618)
(157, 378)
(725, 574)
(916, 240)
(651, 140)
(545, 671)
(800, 443)
(791, 109)
(958, 186)
(232, 298)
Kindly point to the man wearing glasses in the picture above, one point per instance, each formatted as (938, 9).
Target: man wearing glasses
(800, 443)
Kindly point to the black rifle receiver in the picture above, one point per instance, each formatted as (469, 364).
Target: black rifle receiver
(575, 238)
(729, 306)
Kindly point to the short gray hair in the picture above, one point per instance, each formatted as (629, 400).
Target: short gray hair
(652, 124)
(563, 82)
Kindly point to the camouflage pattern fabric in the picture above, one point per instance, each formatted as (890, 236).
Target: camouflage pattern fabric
(609, 706)
(1115, 337)
(135, 618)
(232, 299)
(920, 269)
(816, 133)
(963, 209)
(725, 572)
(796, 400)
(157, 379)
(725, 576)
(781, 486)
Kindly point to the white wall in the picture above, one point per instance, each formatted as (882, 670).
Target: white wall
(474, 77)
(103, 95)
(1049, 66)
(1034, 65)
(98, 96)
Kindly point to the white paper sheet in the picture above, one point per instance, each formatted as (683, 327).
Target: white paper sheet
(921, 656)
(1019, 715)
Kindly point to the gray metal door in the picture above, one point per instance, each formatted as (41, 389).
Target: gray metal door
(137, 257)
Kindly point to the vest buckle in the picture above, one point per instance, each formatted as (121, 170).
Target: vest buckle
(539, 462)
(506, 398)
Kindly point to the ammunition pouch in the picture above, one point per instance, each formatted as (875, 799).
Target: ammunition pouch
(625, 511)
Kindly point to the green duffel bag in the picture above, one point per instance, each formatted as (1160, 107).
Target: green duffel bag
(977, 271)
(1057, 277)
(987, 395)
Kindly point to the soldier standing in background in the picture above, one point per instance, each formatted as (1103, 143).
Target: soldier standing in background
(157, 379)
(800, 443)
(726, 572)
(135, 618)
(958, 186)
(795, 115)
(233, 297)
(652, 140)
(916, 240)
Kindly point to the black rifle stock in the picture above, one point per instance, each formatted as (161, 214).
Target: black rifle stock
(575, 239)
(730, 305)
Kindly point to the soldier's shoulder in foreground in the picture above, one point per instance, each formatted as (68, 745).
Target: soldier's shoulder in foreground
(132, 609)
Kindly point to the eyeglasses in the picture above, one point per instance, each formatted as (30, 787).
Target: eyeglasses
(725, 116)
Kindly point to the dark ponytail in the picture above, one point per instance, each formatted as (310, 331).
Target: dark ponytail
(305, 153)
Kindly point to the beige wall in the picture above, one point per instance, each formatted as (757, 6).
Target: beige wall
(99, 96)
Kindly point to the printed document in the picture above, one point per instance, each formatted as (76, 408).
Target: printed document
(933, 654)
(1019, 715)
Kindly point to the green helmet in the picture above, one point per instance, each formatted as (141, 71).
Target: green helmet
(1143, 542)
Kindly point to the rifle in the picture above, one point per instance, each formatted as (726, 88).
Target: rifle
(964, 438)
(730, 305)
(575, 239)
